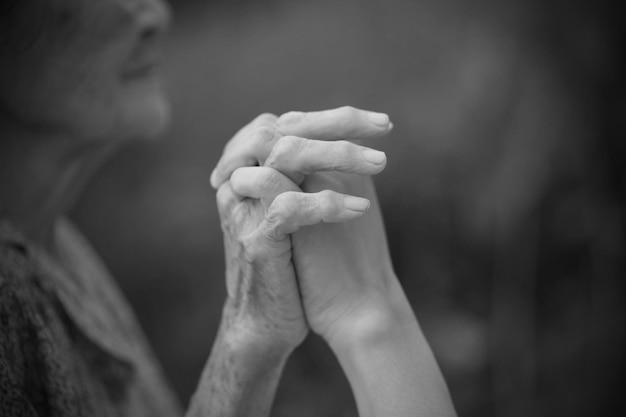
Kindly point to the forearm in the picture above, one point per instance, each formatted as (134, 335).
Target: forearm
(241, 375)
(389, 364)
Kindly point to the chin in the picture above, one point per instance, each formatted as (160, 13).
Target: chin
(146, 113)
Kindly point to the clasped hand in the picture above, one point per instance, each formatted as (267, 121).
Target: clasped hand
(304, 238)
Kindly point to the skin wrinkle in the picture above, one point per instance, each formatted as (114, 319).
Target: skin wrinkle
(253, 291)
(297, 160)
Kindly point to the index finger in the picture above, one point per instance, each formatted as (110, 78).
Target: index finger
(343, 123)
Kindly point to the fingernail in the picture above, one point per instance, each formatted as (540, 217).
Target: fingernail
(356, 203)
(378, 119)
(374, 157)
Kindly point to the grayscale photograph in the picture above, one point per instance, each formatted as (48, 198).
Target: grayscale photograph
(329, 208)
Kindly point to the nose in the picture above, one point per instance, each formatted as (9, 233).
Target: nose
(154, 17)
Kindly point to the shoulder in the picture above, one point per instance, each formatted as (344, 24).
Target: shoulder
(28, 307)
(16, 279)
(29, 361)
(16, 265)
(21, 299)
(18, 330)
(20, 284)
(32, 356)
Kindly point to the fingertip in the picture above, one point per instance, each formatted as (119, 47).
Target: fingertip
(356, 204)
(376, 161)
(374, 157)
(265, 119)
(214, 180)
(243, 178)
(288, 119)
(351, 209)
(236, 176)
(380, 120)
(381, 167)
(350, 215)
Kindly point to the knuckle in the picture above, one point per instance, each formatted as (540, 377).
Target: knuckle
(265, 119)
(279, 208)
(292, 116)
(251, 247)
(282, 208)
(262, 134)
(326, 194)
(288, 144)
(343, 155)
(323, 181)
(344, 147)
(348, 111)
(326, 200)
(286, 148)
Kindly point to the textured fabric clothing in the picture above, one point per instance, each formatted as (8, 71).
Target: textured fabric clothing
(69, 343)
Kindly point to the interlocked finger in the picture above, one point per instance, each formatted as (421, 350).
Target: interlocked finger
(261, 183)
(265, 120)
(248, 147)
(346, 122)
(253, 144)
(297, 157)
(227, 198)
(292, 210)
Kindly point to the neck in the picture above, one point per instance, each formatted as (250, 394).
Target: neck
(42, 177)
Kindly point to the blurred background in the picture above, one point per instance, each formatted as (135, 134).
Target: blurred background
(503, 196)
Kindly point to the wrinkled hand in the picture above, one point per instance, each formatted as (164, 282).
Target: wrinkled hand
(260, 207)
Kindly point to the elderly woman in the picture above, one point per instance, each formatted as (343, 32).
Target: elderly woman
(78, 78)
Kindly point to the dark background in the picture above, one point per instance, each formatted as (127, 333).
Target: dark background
(503, 196)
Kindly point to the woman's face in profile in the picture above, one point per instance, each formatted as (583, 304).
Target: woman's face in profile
(87, 68)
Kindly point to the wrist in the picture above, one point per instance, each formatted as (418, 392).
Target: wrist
(243, 370)
(253, 337)
(374, 321)
(388, 362)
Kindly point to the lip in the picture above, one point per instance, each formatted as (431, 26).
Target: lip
(144, 62)
(140, 70)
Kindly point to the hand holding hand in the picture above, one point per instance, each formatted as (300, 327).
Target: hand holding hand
(344, 270)
(291, 178)
(340, 269)
(260, 208)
